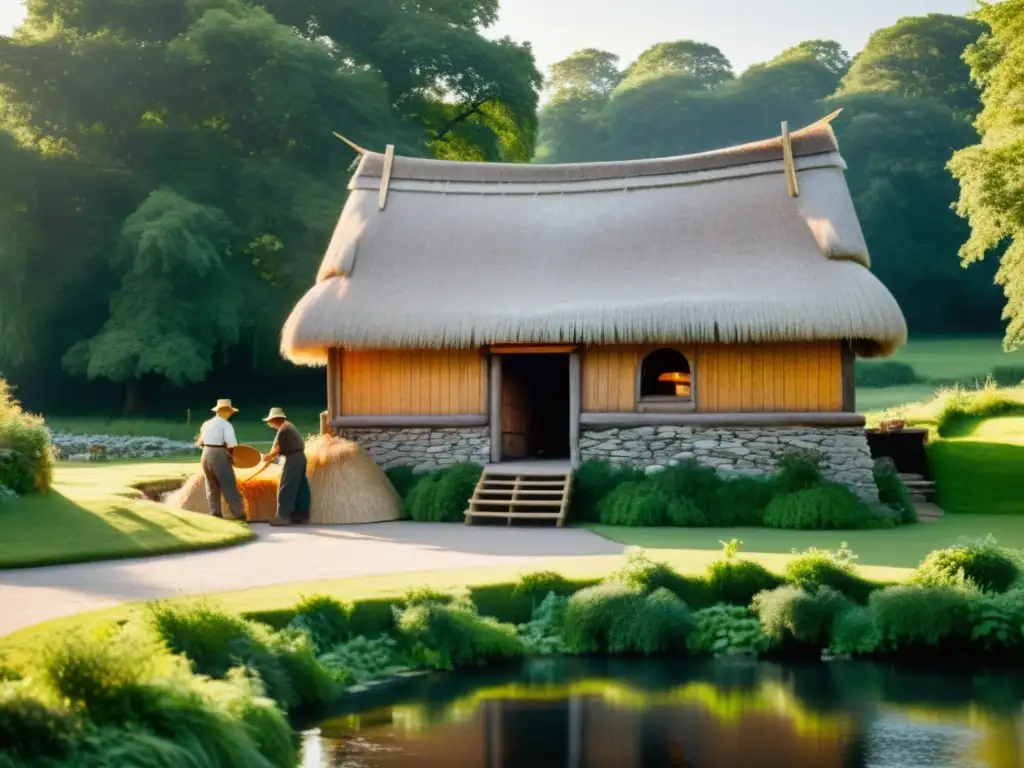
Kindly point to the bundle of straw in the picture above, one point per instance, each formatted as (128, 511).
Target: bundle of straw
(347, 487)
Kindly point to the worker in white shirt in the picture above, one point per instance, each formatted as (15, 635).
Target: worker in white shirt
(217, 439)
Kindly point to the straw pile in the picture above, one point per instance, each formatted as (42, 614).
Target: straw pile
(347, 486)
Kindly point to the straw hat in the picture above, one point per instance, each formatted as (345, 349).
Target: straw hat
(222, 404)
(276, 413)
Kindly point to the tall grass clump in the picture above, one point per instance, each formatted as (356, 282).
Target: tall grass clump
(215, 642)
(828, 506)
(26, 454)
(982, 563)
(909, 618)
(735, 581)
(791, 616)
(323, 619)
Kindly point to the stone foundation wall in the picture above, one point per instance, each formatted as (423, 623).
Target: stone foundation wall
(422, 448)
(755, 450)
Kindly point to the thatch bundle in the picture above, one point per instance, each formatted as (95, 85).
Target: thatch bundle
(347, 487)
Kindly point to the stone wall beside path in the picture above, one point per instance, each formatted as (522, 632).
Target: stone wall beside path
(846, 457)
(422, 447)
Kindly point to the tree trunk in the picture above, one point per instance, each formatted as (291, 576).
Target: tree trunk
(132, 397)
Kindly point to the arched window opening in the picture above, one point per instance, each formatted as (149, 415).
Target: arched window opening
(665, 374)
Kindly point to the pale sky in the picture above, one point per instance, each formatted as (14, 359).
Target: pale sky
(748, 31)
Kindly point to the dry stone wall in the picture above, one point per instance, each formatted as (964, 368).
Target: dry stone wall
(846, 457)
(422, 448)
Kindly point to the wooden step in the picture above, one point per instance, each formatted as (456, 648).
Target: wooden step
(510, 496)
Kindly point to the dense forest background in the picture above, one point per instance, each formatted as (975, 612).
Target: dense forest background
(170, 180)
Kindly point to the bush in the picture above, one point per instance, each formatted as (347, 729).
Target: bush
(324, 619)
(821, 568)
(403, 479)
(909, 617)
(542, 635)
(659, 623)
(997, 621)
(791, 615)
(741, 501)
(537, 587)
(726, 629)
(643, 575)
(26, 435)
(982, 563)
(362, 659)
(442, 496)
(798, 471)
(735, 582)
(827, 506)
(592, 614)
(637, 503)
(885, 374)
(892, 491)
(450, 636)
(855, 633)
(689, 480)
(592, 482)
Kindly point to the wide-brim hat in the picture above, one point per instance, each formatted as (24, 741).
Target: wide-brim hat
(276, 413)
(224, 404)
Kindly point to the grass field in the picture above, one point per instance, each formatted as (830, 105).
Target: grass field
(93, 514)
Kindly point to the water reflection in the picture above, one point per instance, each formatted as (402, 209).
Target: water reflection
(652, 714)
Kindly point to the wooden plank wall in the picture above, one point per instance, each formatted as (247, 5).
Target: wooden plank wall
(730, 378)
(413, 382)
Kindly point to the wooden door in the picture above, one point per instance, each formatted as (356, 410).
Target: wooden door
(515, 413)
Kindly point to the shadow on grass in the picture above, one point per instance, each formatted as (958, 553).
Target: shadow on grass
(53, 529)
(977, 477)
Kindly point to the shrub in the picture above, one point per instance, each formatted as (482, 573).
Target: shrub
(362, 659)
(983, 563)
(689, 480)
(741, 501)
(827, 506)
(997, 620)
(538, 586)
(25, 434)
(428, 596)
(403, 479)
(684, 513)
(790, 614)
(815, 567)
(441, 497)
(592, 614)
(542, 634)
(659, 623)
(909, 617)
(592, 482)
(643, 575)
(16, 472)
(454, 635)
(726, 629)
(855, 633)
(637, 503)
(311, 684)
(892, 491)
(324, 619)
(737, 581)
(799, 470)
(885, 374)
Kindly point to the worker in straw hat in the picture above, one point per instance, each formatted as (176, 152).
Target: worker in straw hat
(217, 439)
(294, 496)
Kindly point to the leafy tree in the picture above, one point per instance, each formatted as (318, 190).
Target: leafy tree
(830, 54)
(920, 57)
(704, 63)
(991, 182)
(587, 74)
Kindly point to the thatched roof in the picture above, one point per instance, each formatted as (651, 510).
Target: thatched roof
(700, 248)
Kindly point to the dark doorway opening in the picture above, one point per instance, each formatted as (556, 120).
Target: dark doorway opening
(535, 407)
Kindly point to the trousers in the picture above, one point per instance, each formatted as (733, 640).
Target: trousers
(219, 473)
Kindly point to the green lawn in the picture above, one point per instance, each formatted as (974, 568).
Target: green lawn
(248, 427)
(92, 513)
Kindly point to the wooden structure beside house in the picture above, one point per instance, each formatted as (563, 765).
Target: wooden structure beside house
(708, 306)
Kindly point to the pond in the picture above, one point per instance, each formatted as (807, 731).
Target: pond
(619, 714)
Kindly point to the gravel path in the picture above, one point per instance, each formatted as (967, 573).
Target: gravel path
(281, 556)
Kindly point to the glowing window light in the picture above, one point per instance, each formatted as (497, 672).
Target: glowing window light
(681, 380)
